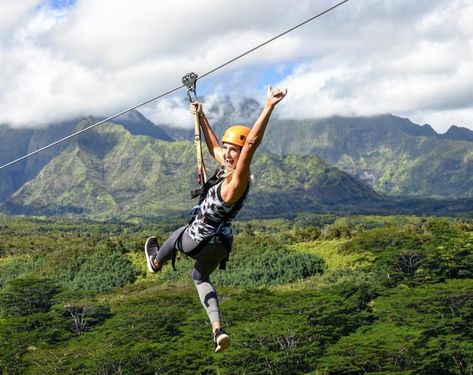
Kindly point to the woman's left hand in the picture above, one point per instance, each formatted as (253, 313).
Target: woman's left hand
(274, 96)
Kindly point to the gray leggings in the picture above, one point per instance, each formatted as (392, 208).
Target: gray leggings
(207, 260)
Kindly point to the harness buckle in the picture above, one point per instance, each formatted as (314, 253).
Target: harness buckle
(194, 211)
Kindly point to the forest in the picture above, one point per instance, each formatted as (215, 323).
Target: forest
(312, 294)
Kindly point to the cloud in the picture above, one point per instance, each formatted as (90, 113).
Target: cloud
(170, 111)
(218, 108)
(13, 12)
(415, 67)
(88, 58)
(442, 120)
(92, 59)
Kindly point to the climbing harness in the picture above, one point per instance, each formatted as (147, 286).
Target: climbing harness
(219, 236)
(190, 80)
(201, 192)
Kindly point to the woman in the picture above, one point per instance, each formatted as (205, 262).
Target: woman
(208, 238)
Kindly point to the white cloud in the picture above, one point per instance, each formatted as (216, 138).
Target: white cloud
(420, 73)
(13, 12)
(170, 111)
(442, 120)
(403, 57)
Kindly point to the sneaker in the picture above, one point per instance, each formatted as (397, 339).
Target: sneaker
(222, 340)
(151, 252)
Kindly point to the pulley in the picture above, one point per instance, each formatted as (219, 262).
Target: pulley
(189, 80)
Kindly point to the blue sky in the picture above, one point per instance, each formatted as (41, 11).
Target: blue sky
(63, 58)
(58, 4)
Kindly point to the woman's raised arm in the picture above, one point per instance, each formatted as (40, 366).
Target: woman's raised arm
(254, 138)
(232, 191)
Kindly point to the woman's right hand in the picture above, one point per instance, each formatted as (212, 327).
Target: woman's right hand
(274, 96)
(196, 107)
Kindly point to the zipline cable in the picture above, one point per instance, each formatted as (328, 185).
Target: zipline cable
(90, 127)
(174, 89)
(273, 38)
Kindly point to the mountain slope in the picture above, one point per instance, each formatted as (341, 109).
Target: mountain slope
(137, 124)
(394, 155)
(18, 142)
(459, 134)
(109, 171)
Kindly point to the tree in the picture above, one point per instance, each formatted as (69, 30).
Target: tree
(27, 296)
(85, 315)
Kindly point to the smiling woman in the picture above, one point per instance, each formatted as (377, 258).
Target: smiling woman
(208, 237)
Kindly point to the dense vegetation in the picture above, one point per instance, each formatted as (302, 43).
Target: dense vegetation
(316, 294)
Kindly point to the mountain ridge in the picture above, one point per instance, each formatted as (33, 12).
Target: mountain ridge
(388, 153)
(395, 156)
(19, 142)
(120, 172)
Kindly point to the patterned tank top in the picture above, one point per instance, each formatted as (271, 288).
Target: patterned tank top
(215, 215)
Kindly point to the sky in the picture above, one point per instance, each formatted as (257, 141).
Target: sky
(64, 59)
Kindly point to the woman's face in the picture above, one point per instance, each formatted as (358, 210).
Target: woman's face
(231, 153)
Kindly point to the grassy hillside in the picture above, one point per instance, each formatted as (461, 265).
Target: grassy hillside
(317, 294)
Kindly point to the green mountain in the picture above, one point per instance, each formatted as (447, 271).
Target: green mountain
(18, 142)
(459, 133)
(110, 172)
(392, 154)
(135, 168)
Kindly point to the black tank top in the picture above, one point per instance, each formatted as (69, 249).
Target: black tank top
(215, 215)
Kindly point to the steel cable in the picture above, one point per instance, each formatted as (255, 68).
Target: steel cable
(174, 89)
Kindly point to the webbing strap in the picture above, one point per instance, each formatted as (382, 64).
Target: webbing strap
(201, 172)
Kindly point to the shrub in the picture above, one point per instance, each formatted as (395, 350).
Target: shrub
(99, 271)
(339, 229)
(82, 316)
(431, 252)
(270, 266)
(27, 296)
(311, 233)
(14, 268)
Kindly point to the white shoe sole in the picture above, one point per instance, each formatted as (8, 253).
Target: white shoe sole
(148, 259)
(223, 342)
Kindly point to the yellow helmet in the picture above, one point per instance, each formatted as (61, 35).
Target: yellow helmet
(236, 134)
